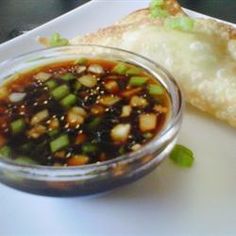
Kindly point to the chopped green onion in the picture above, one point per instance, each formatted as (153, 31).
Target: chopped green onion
(56, 40)
(158, 12)
(17, 126)
(120, 68)
(59, 143)
(89, 148)
(53, 133)
(157, 3)
(138, 80)
(68, 76)
(81, 61)
(60, 92)
(51, 84)
(133, 71)
(157, 9)
(183, 23)
(69, 101)
(182, 156)
(155, 89)
(88, 81)
(94, 123)
(77, 86)
(5, 151)
(24, 160)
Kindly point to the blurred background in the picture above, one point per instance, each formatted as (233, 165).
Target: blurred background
(19, 16)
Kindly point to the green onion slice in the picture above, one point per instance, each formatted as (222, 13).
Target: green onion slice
(157, 9)
(94, 123)
(158, 12)
(17, 126)
(138, 80)
(60, 92)
(68, 77)
(89, 148)
(69, 101)
(133, 71)
(59, 143)
(77, 86)
(57, 40)
(183, 23)
(157, 3)
(51, 84)
(182, 156)
(53, 132)
(155, 89)
(24, 160)
(120, 68)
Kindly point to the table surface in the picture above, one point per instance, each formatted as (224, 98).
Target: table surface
(16, 16)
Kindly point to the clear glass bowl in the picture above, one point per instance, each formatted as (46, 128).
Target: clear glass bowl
(99, 177)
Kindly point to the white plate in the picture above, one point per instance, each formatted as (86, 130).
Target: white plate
(170, 201)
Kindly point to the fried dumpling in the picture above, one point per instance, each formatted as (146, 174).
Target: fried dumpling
(199, 53)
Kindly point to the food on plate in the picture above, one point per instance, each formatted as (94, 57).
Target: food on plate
(199, 53)
(182, 156)
(79, 112)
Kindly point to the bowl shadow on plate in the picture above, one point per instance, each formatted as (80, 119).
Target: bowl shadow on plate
(164, 181)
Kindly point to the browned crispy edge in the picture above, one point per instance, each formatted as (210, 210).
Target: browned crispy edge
(139, 17)
(142, 17)
(172, 6)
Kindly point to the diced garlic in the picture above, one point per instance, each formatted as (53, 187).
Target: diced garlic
(111, 86)
(81, 69)
(42, 76)
(39, 117)
(97, 69)
(97, 110)
(17, 97)
(79, 110)
(76, 116)
(78, 160)
(36, 131)
(109, 100)
(137, 101)
(136, 147)
(60, 154)
(126, 111)
(120, 132)
(75, 119)
(147, 122)
(88, 81)
(54, 123)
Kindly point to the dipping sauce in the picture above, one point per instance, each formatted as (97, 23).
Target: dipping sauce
(80, 112)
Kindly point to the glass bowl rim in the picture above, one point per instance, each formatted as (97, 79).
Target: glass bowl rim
(132, 156)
